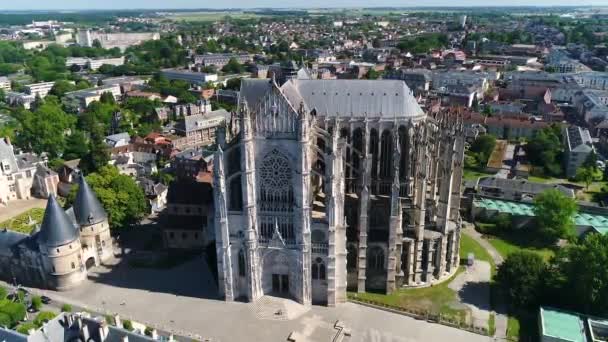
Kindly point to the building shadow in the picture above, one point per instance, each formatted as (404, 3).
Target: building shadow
(193, 278)
(476, 294)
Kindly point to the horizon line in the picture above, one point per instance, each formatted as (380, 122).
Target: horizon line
(294, 8)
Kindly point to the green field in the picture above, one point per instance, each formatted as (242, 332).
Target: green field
(21, 223)
(211, 16)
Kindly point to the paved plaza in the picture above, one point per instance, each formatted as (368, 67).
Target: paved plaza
(184, 300)
(16, 207)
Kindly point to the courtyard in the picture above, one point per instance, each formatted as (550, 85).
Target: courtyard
(184, 300)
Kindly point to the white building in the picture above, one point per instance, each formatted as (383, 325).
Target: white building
(191, 77)
(94, 63)
(23, 175)
(39, 89)
(5, 83)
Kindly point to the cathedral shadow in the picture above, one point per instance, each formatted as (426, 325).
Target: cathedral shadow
(476, 294)
(192, 278)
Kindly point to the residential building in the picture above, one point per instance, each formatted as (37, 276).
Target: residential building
(20, 176)
(189, 76)
(81, 326)
(120, 40)
(5, 83)
(188, 217)
(80, 99)
(219, 60)
(199, 129)
(39, 89)
(562, 63)
(516, 189)
(578, 147)
(94, 63)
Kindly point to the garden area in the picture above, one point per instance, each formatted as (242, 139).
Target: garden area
(25, 222)
(22, 312)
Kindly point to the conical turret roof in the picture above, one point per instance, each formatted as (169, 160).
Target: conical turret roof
(56, 229)
(87, 208)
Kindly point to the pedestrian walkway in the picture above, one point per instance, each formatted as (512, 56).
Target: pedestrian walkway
(500, 308)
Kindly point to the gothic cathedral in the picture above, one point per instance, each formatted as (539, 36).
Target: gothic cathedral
(326, 185)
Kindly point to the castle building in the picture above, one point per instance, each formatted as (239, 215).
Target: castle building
(57, 254)
(326, 185)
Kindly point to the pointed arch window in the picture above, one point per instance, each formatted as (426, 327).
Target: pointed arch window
(318, 269)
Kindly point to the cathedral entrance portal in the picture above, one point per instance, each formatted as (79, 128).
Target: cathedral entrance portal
(280, 284)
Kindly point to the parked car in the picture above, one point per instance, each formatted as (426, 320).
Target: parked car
(31, 309)
(45, 300)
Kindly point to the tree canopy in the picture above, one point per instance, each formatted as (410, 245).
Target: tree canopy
(521, 276)
(45, 129)
(122, 198)
(554, 213)
(544, 150)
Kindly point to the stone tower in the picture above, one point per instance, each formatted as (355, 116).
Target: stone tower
(60, 249)
(94, 226)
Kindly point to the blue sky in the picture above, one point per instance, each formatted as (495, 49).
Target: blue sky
(122, 4)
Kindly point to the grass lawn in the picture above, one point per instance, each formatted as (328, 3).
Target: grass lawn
(469, 245)
(506, 246)
(21, 222)
(470, 174)
(435, 299)
(513, 329)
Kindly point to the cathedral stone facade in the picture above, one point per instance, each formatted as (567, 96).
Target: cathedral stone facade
(326, 185)
(57, 254)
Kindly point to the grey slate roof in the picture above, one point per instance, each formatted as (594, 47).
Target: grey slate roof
(56, 229)
(7, 335)
(7, 154)
(253, 90)
(522, 185)
(87, 208)
(386, 99)
(9, 239)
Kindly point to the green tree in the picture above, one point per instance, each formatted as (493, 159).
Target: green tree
(585, 174)
(127, 325)
(45, 129)
(61, 87)
(233, 67)
(120, 195)
(43, 317)
(482, 148)
(77, 146)
(583, 268)
(554, 214)
(521, 277)
(5, 320)
(107, 97)
(24, 328)
(591, 161)
(36, 303)
(372, 74)
(544, 150)
(3, 293)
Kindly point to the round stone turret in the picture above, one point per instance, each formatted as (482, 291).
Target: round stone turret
(93, 223)
(59, 244)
